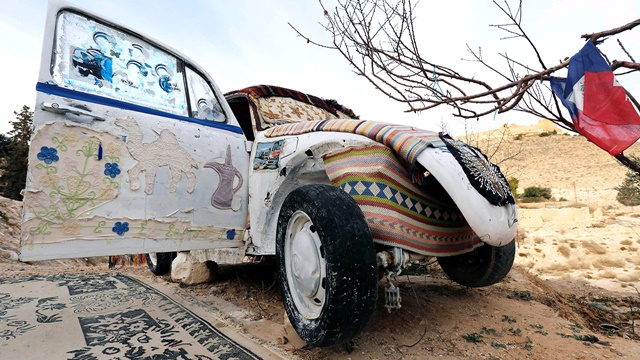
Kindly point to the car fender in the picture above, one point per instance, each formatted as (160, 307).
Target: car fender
(300, 163)
(495, 225)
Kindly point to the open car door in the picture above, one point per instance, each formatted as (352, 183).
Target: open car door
(134, 148)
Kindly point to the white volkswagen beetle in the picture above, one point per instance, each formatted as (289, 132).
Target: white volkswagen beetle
(136, 150)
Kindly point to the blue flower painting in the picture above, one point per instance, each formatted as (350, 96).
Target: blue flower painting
(112, 170)
(120, 228)
(48, 155)
(231, 234)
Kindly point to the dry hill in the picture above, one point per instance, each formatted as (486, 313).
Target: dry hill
(573, 167)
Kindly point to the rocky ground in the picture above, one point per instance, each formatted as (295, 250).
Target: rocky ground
(573, 292)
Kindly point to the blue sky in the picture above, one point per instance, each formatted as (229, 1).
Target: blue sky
(242, 43)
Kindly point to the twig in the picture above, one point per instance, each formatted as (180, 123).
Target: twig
(625, 50)
(260, 307)
(424, 331)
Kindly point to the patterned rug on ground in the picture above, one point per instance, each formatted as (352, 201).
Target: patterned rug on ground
(103, 316)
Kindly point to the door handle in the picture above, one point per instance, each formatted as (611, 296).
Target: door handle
(65, 109)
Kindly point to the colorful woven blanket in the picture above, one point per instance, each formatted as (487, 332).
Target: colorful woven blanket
(407, 142)
(422, 219)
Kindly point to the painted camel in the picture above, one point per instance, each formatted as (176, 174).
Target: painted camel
(164, 151)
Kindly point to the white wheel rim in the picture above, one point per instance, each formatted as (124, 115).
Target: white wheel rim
(153, 258)
(305, 265)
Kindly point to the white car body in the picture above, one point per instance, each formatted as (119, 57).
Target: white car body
(76, 211)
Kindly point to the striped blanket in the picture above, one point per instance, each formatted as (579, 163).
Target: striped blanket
(422, 219)
(407, 142)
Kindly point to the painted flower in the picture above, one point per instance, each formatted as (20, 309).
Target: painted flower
(120, 227)
(70, 227)
(106, 193)
(49, 180)
(48, 155)
(113, 149)
(70, 167)
(97, 168)
(231, 234)
(70, 138)
(111, 170)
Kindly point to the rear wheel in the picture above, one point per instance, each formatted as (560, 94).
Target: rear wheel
(484, 266)
(326, 263)
(160, 263)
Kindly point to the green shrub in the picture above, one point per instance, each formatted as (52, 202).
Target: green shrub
(536, 193)
(518, 137)
(548, 133)
(629, 191)
(513, 185)
(13, 167)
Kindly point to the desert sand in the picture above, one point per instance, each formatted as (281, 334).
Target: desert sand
(576, 272)
(586, 236)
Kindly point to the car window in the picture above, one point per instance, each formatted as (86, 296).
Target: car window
(202, 99)
(98, 59)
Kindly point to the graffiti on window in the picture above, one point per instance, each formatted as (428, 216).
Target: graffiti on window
(95, 58)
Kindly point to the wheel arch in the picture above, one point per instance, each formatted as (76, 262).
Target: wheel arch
(304, 166)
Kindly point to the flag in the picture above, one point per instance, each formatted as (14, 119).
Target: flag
(598, 105)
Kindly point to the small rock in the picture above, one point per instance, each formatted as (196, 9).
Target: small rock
(597, 305)
(215, 291)
(188, 270)
(8, 254)
(220, 324)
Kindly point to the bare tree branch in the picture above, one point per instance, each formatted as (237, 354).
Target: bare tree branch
(378, 39)
(625, 50)
(595, 36)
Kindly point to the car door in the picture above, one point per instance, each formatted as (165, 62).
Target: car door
(134, 148)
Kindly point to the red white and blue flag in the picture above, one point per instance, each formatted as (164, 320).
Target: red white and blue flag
(598, 105)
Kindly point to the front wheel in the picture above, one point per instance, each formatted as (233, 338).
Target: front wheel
(326, 265)
(484, 266)
(160, 263)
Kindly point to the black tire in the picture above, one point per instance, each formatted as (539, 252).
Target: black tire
(160, 263)
(326, 265)
(484, 266)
